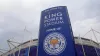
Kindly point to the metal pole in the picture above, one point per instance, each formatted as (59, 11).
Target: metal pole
(29, 48)
(96, 40)
(87, 33)
(82, 45)
(30, 40)
(15, 42)
(93, 46)
(1, 52)
(19, 51)
(96, 31)
(8, 44)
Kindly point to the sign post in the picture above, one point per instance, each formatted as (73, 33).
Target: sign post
(56, 36)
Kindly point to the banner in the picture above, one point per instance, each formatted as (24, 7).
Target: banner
(56, 36)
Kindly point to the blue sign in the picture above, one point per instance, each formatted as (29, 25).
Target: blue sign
(56, 36)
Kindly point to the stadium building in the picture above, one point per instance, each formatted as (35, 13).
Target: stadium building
(84, 47)
(56, 16)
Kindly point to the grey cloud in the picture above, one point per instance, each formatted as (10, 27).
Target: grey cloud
(13, 26)
(93, 9)
(87, 18)
(15, 15)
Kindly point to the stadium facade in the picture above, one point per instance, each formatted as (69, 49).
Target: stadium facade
(84, 47)
(55, 26)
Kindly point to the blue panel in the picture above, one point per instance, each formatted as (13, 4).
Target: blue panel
(10, 55)
(98, 51)
(56, 36)
(33, 51)
(89, 51)
(16, 53)
(79, 50)
(24, 52)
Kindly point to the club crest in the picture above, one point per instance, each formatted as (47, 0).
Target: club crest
(54, 43)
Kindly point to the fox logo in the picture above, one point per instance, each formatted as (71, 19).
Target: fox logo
(54, 43)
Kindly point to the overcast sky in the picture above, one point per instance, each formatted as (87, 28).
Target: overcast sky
(16, 14)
